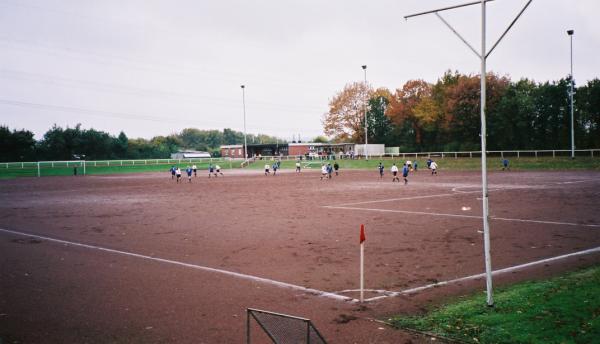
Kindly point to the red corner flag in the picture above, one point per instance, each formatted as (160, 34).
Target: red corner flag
(362, 234)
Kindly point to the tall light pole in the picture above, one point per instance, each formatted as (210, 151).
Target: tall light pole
(244, 103)
(571, 92)
(483, 55)
(364, 67)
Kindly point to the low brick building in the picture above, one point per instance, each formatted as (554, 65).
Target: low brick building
(232, 151)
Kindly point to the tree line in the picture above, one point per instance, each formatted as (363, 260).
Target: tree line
(445, 115)
(91, 144)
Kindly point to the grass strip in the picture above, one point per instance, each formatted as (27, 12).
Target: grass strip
(563, 309)
(449, 163)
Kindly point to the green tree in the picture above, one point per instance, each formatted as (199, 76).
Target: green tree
(587, 104)
(380, 126)
(17, 145)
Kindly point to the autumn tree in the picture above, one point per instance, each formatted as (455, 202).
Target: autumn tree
(401, 111)
(345, 119)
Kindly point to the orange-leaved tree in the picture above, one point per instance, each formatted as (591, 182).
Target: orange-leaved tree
(405, 107)
(345, 118)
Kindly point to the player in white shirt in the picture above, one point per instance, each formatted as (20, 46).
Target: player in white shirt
(324, 171)
(218, 170)
(394, 170)
(267, 169)
(433, 167)
(178, 174)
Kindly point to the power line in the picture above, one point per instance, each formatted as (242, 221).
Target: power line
(145, 92)
(129, 116)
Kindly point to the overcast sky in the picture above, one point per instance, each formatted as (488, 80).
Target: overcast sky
(154, 67)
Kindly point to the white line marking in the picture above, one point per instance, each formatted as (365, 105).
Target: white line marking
(456, 191)
(188, 265)
(405, 198)
(481, 275)
(464, 216)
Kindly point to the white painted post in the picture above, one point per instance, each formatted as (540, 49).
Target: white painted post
(362, 272)
(38, 168)
(83, 167)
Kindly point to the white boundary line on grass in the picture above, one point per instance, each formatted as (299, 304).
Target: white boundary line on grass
(481, 275)
(188, 265)
(464, 216)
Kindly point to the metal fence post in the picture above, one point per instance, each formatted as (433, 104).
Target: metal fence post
(84, 167)
(307, 332)
(247, 326)
(38, 166)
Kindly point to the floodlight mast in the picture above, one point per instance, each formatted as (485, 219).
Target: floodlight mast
(364, 67)
(571, 93)
(244, 104)
(484, 184)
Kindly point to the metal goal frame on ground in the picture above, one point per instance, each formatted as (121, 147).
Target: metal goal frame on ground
(283, 328)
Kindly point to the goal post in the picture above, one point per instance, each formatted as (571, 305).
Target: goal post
(283, 328)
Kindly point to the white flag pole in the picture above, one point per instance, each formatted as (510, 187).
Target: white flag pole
(362, 271)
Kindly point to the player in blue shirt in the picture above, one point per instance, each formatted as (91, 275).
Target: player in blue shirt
(505, 165)
(173, 169)
(275, 167)
(405, 174)
(381, 168)
(329, 171)
(189, 171)
(211, 169)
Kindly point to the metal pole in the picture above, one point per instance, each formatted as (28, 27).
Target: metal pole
(364, 67)
(483, 56)
(244, 103)
(484, 184)
(571, 91)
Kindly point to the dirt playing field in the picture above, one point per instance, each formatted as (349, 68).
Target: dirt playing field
(139, 258)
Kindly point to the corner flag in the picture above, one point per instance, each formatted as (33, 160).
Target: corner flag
(362, 234)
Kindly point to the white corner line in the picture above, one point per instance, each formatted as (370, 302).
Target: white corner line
(481, 275)
(189, 265)
(464, 216)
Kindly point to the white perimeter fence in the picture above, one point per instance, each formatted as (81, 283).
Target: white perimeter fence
(38, 166)
(462, 154)
(83, 165)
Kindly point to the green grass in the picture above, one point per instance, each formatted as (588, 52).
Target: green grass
(455, 164)
(445, 164)
(564, 309)
(31, 171)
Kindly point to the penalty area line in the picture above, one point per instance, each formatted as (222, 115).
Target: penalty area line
(187, 265)
(465, 216)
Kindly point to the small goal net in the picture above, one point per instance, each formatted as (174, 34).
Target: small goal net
(282, 328)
